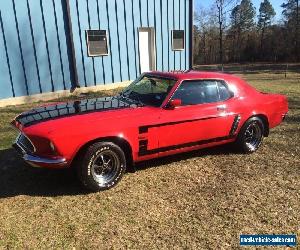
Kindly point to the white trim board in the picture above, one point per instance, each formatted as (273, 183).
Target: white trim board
(59, 94)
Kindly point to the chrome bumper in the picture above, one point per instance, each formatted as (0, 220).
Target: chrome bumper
(37, 161)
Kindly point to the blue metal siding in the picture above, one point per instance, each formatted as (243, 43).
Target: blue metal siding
(122, 39)
(137, 22)
(36, 49)
(83, 25)
(6, 84)
(171, 25)
(107, 60)
(35, 55)
(165, 38)
(13, 51)
(94, 25)
(176, 27)
(188, 31)
(159, 43)
(39, 47)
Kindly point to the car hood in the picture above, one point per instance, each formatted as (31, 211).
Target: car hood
(72, 108)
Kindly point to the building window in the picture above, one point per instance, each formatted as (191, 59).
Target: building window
(97, 42)
(178, 40)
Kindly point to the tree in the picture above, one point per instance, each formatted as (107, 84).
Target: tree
(247, 15)
(265, 16)
(203, 23)
(235, 31)
(242, 40)
(222, 9)
(291, 15)
(242, 22)
(205, 36)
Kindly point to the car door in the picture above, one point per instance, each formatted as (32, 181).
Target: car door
(204, 116)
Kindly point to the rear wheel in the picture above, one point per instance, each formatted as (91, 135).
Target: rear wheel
(102, 166)
(251, 135)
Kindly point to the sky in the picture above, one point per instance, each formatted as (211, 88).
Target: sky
(276, 5)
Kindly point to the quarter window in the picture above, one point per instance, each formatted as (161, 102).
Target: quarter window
(224, 92)
(199, 92)
(178, 40)
(97, 42)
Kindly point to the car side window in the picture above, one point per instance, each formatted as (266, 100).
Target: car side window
(201, 91)
(224, 92)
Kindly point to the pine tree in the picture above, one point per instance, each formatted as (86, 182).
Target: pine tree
(235, 31)
(247, 14)
(265, 16)
(242, 21)
(292, 22)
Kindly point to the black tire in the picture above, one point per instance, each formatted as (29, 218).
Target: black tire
(250, 136)
(102, 166)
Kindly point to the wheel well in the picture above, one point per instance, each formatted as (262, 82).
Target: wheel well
(265, 121)
(122, 143)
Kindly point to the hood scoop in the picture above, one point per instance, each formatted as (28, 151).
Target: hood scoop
(61, 110)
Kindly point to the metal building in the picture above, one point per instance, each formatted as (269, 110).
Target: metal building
(58, 45)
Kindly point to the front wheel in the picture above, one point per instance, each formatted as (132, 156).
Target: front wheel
(250, 136)
(102, 166)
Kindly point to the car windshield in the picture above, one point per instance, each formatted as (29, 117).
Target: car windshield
(149, 90)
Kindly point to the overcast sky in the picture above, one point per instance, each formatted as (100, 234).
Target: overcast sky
(276, 5)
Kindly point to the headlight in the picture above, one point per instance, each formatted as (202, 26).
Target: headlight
(43, 145)
(52, 146)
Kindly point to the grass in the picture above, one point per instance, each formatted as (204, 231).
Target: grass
(203, 199)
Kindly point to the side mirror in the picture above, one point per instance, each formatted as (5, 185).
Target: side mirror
(174, 103)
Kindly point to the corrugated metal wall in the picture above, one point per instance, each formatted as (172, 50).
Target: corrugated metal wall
(36, 50)
(34, 47)
(122, 18)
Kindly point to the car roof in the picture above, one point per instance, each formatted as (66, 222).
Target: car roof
(194, 74)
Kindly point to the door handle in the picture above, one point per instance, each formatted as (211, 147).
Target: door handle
(221, 108)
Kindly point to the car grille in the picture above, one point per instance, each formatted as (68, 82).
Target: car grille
(25, 143)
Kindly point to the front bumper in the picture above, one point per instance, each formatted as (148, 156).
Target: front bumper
(41, 162)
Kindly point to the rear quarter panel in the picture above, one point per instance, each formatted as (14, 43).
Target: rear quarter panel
(250, 102)
(275, 106)
(272, 106)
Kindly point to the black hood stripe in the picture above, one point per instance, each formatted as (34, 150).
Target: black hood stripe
(43, 114)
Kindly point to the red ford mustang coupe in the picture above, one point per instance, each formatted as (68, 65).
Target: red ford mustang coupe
(159, 114)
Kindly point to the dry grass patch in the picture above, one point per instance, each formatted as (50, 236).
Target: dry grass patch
(203, 199)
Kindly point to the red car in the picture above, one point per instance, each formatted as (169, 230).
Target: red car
(157, 115)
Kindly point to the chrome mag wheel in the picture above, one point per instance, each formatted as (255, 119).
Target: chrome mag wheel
(253, 135)
(105, 167)
(101, 166)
